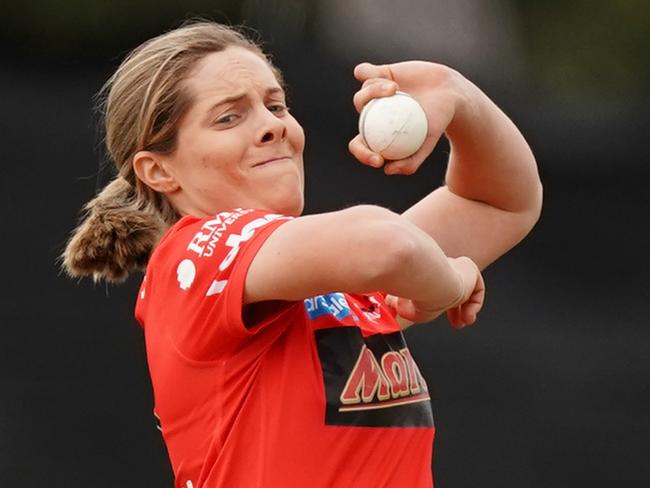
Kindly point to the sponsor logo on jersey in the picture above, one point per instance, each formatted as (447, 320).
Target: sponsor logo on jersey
(234, 241)
(216, 287)
(371, 381)
(393, 380)
(373, 311)
(205, 240)
(331, 304)
(185, 274)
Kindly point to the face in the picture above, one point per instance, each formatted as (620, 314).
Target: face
(238, 146)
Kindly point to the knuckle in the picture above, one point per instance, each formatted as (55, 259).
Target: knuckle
(370, 81)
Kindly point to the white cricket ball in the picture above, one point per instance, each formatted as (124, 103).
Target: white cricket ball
(394, 126)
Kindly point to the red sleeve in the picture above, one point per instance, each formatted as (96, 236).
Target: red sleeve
(204, 268)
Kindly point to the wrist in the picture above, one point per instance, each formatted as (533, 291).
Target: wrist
(469, 273)
(466, 110)
(458, 295)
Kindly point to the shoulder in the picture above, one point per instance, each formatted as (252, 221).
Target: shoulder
(195, 279)
(197, 250)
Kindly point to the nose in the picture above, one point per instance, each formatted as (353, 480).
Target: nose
(271, 128)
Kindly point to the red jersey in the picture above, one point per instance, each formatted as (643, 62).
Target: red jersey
(320, 393)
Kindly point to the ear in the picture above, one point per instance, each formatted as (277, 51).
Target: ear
(154, 172)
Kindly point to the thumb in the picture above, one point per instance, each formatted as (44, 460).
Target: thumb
(365, 71)
(391, 302)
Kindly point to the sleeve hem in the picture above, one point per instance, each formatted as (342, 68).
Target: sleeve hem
(235, 290)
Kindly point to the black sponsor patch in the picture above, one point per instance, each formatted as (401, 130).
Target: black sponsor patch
(371, 381)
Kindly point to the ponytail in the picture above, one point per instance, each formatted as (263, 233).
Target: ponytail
(117, 233)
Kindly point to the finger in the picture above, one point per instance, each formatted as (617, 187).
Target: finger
(402, 167)
(470, 310)
(476, 300)
(391, 302)
(385, 88)
(364, 71)
(454, 317)
(372, 81)
(406, 309)
(468, 314)
(364, 154)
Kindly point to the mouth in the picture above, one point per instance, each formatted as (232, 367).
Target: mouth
(276, 159)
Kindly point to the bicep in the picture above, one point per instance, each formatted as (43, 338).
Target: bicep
(464, 227)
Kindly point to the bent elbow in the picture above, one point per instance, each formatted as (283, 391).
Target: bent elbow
(525, 220)
(533, 214)
(382, 247)
(391, 251)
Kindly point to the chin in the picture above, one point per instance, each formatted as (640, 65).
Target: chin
(290, 205)
(294, 210)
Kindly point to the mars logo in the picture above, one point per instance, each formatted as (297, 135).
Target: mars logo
(371, 381)
(395, 380)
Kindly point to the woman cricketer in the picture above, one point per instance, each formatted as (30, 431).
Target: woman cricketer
(274, 340)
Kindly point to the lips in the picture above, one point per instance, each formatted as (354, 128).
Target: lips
(274, 159)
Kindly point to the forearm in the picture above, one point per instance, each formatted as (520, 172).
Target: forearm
(490, 160)
(360, 249)
(385, 251)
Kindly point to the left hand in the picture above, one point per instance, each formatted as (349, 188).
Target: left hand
(408, 312)
(436, 87)
(459, 316)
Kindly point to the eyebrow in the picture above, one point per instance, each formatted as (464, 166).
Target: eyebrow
(239, 96)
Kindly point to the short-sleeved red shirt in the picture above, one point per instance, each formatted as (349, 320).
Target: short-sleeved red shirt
(320, 393)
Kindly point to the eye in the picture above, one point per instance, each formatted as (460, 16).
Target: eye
(226, 119)
(278, 108)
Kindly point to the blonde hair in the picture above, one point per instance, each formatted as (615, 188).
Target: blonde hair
(142, 104)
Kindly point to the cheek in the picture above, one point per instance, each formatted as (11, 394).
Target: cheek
(218, 152)
(208, 163)
(296, 135)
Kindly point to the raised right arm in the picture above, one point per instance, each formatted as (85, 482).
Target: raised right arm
(359, 249)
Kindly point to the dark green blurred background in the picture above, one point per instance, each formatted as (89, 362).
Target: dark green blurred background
(550, 389)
